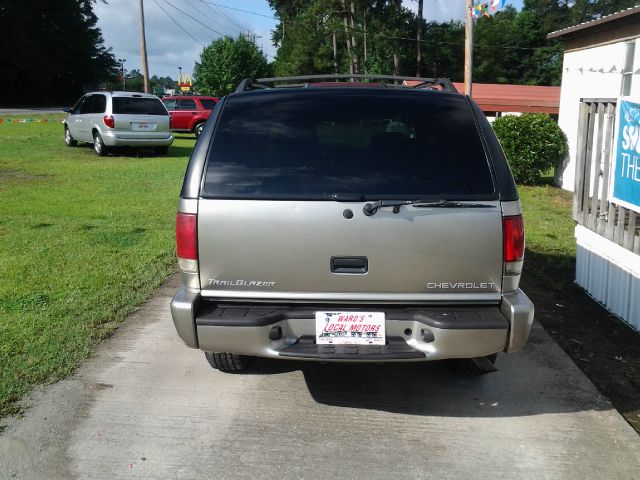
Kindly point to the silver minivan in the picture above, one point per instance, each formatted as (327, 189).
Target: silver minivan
(118, 119)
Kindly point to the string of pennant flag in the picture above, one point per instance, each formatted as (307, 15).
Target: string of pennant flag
(488, 9)
(8, 121)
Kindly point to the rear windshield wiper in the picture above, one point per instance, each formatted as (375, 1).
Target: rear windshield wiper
(371, 208)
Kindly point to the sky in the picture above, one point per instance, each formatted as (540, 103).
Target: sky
(170, 47)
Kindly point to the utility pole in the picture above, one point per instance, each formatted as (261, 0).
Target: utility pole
(143, 48)
(419, 40)
(468, 50)
(124, 81)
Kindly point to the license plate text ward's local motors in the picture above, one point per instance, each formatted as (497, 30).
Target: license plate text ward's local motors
(350, 328)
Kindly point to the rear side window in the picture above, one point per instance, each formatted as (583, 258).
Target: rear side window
(186, 105)
(170, 104)
(138, 106)
(94, 104)
(208, 104)
(315, 144)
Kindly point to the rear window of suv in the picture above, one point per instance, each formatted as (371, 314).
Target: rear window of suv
(138, 106)
(316, 144)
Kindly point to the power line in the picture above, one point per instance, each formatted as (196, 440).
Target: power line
(213, 20)
(176, 22)
(456, 43)
(217, 11)
(194, 19)
(243, 11)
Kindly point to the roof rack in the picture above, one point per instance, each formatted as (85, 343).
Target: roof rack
(302, 81)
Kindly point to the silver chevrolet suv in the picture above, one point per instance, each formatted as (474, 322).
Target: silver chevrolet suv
(332, 220)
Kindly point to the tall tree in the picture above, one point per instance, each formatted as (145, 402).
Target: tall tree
(225, 62)
(510, 47)
(419, 40)
(56, 50)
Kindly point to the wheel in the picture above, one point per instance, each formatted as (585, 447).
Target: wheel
(68, 139)
(227, 362)
(467, 367)
(198, 129)
(98, 145)
(161, 150)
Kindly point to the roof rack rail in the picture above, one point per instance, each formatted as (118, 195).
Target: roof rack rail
(304, 80)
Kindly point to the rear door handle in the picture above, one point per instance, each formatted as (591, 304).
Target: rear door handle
(353, 265)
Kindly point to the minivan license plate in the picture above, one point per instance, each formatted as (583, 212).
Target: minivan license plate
(350, 328)
(142, 126)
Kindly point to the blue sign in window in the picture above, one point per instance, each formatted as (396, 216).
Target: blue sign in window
(626, 175)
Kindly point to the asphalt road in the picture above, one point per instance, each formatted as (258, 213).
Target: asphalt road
(146, 406)
(29, 111)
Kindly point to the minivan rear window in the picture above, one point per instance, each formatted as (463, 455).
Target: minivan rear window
(350, 143)
(138, 106)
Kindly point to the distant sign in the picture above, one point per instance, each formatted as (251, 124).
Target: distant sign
(625, 181)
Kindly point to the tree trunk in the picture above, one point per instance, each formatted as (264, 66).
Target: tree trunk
(396, 62)
(364, 49)
(419, 40)
(354, 44)
(335, 54)
(346, 34)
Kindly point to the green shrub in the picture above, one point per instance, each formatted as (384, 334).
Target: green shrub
(533, 143)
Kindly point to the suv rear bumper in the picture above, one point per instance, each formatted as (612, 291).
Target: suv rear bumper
(435, 332)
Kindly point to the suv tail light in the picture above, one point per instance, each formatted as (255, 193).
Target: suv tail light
(513, 231)
(187, 241)
(109, 121)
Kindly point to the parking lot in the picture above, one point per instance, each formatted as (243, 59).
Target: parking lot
(147, 407)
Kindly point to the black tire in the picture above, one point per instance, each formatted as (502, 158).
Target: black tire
(227, 362)
(197, 129)
(466, 367)
(161, 150)
(68, 138)
(99, 146)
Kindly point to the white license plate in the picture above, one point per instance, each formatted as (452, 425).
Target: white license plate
(350, 328)
(146, 126)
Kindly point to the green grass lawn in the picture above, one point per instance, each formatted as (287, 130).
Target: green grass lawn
(87, 239)
(84, 240)
(551, 246)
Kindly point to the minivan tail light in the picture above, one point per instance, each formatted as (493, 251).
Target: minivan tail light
(187, 236)
(109, 121)
(513, 244)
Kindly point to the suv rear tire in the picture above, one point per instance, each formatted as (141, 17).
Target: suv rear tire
(98, 145)
(198, 129)
(227, 362)
(466, 367)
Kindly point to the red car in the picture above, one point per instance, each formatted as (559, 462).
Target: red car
(189, 113)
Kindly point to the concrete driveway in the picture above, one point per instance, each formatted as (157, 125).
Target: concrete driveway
(148, 407)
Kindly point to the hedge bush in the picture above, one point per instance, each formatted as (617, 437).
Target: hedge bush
(533, 143)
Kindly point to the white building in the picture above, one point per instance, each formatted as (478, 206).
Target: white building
(601, 60)
(601, 63)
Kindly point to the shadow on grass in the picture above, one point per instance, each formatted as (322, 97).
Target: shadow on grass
(175, 151)
(556, 272)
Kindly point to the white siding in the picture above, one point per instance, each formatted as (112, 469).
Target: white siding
(610, 273)
(591, 73)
